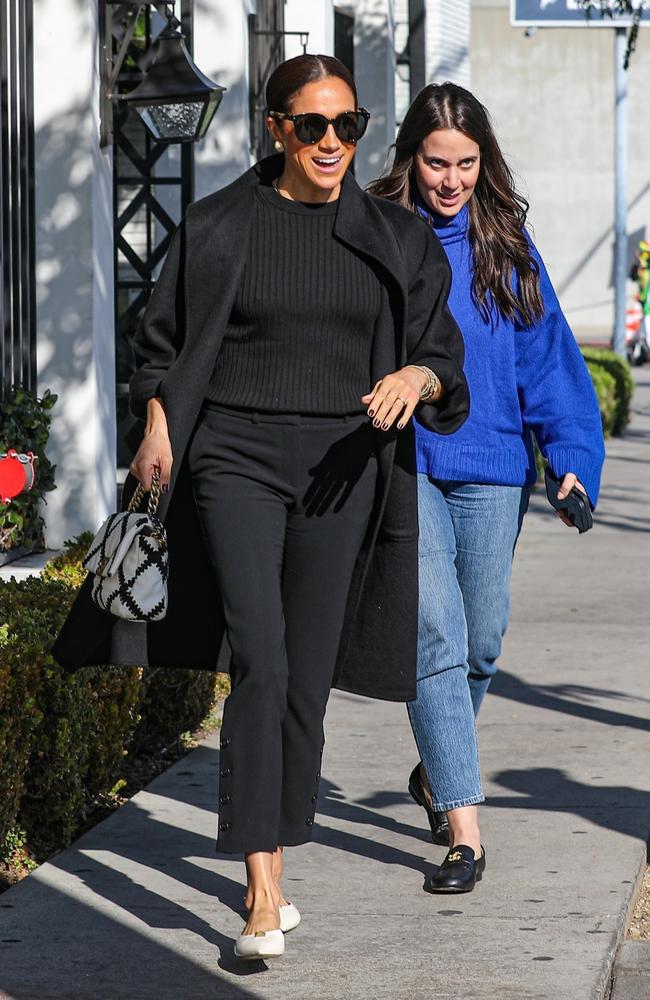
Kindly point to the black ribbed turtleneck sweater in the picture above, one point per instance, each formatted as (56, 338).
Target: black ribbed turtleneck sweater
(300, 332)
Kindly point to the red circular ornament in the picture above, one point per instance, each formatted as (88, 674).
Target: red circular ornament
(16, 474)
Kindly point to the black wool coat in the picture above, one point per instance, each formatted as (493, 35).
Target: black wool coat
(176, 349)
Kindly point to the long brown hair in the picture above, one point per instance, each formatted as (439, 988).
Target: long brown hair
(292, 75)
(497, 212)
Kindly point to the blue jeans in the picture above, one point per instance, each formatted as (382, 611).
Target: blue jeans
(468, 533)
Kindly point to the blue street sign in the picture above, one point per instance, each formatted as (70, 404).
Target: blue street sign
(565, 14)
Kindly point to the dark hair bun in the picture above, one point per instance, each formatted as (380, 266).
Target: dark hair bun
(292, 75)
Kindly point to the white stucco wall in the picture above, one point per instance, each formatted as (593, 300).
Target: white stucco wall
(316, 17)
(447, 41)
(374, 71)
(221, 52)
(73, 268)
(552, 99)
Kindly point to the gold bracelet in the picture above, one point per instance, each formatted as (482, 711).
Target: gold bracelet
(432, 384)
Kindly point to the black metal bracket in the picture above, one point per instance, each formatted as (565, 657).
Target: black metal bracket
(278, 38)
(258, 84)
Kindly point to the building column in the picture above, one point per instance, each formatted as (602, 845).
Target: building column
(447, 36)
(74, 268)
(374, 70)
(221, 51)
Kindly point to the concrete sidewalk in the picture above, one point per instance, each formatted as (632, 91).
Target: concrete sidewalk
(30, 565)
(141, 908)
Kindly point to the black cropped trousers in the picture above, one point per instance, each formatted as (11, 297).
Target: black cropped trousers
(284, 502)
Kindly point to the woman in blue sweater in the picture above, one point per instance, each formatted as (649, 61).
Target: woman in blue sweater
(527, 381)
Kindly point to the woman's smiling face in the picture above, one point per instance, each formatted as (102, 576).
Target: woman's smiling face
(314, 171)
(447, 166)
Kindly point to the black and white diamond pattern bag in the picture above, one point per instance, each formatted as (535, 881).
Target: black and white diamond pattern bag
(129, 560)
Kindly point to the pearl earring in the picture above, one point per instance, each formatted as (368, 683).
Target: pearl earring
(279, 148)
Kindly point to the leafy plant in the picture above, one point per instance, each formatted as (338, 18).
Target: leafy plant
(25, 426)
(63, 737)
(605, 386)
(619, 369)
(14, 851)
(609, 8)
(174, 701)
(66, 567)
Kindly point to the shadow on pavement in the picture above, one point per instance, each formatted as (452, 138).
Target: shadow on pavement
(80, 953)
(140, 874)
(628, 524)
(161, 912)
(565, 698)
(157, 876)
(363, 811)
(332, 803)
(614, 807)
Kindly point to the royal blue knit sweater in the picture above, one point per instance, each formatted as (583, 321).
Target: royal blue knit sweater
(523, 381)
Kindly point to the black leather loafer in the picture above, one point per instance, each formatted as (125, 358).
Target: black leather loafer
(459, 872)
(437, 820)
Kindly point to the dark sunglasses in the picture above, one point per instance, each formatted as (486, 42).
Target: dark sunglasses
(349, 126)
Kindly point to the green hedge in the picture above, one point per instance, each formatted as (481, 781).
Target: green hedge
(61, 747)
(616, 417)
(64, 737)
(19, 716)
(174, 702)
(605, 386)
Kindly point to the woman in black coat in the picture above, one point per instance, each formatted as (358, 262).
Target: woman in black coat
(292, 308)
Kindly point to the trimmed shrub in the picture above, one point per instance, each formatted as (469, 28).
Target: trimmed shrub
(77, 750)
(605, 386)
(19, 716)
(63, 736)
(175, 702)
(115, 693)
(619, 369)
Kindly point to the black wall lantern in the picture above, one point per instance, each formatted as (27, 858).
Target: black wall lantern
(175, 100)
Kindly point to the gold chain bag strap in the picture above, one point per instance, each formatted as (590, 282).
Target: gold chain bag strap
(129, 560)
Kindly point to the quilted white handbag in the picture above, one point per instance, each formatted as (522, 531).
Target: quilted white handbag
(129, 560)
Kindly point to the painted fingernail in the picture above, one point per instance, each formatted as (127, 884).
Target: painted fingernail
(371, 413)
(384, 426)
(399, 427)
(376, 423)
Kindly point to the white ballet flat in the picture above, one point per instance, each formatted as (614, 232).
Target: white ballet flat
(263, 944)
(289, 917)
